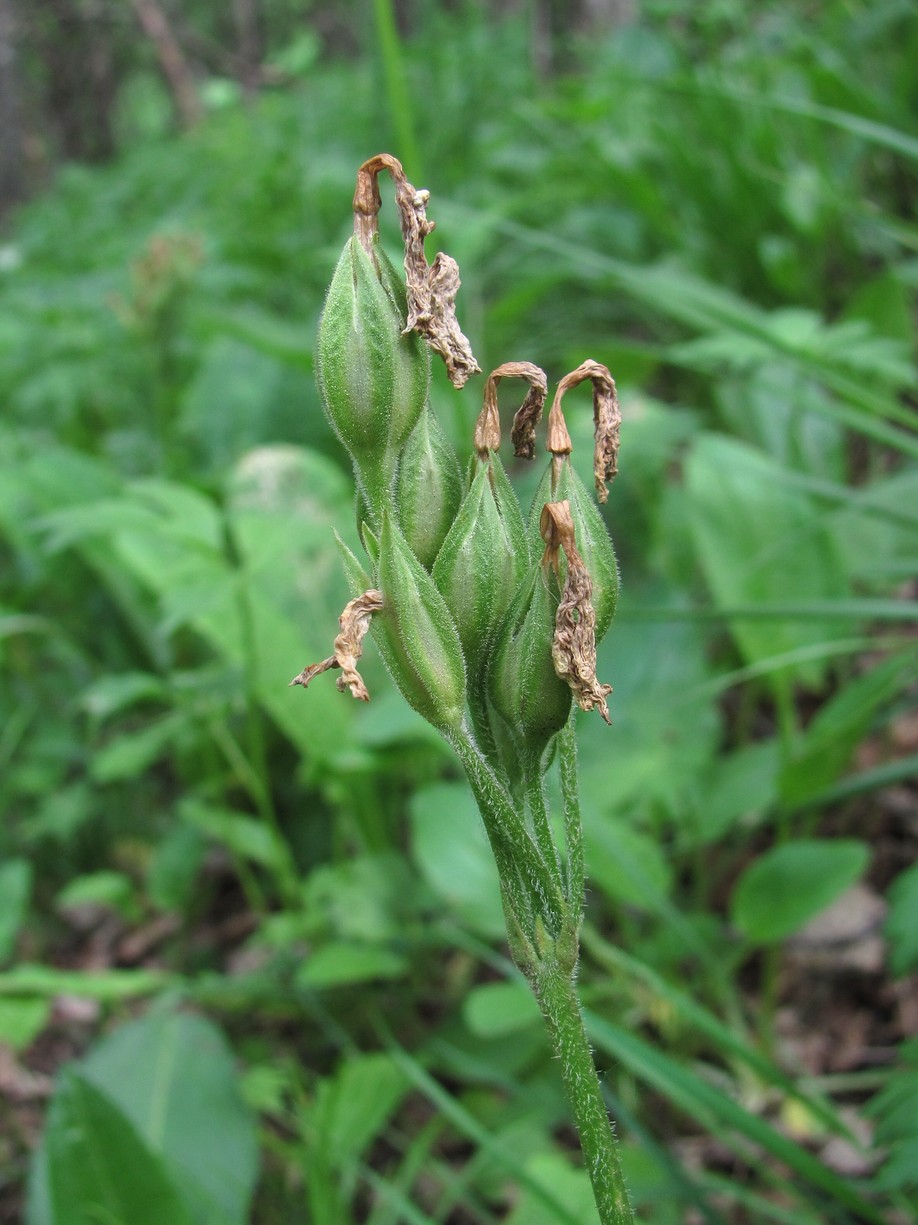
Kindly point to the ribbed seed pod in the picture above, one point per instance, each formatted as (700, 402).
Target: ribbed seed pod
(561, 483)
(523, 686)
(429, 488)
(416, 634)
(373, 380)
(483, 561)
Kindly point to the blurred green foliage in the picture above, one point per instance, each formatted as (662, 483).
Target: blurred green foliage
(719, 205)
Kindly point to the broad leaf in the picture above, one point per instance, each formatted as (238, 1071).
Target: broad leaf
(492, 1010)
(94, 1165)
(451, 849)
(784, 888)
(760, 542)
(172, 1075)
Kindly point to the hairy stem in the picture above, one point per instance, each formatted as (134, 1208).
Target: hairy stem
(527, 880)
(573, 826)
(557, 998)
(541, 822)
(546, 949)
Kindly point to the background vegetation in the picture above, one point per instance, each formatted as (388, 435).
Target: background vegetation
(251, 939)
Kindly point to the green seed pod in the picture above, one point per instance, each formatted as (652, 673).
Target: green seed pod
(373, 380)
(483, 560)
(524, 688)
(429, 488)
(417, 636)
(561, 483)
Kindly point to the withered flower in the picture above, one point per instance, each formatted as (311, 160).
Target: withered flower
(355, 624)
(431, 288)
(527, 416)
(607, 420)
(573, 648)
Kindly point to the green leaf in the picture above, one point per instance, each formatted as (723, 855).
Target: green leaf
(233, 402)
(110, 694)
(665, 730)
(760, 542)
(352, 1106)
(902, 922)
(784, 888)
(829, 741)
(496, 1009)
(875, 527)
(451, 848)
(270, 334)
(15, 888)
(22, 1020)
(558, 1177)
(94, 1166)
(172, 1075)
(497, 1150)
(130, 754)
(719, 1114)
(740, 787)
(174, 868)
(240, 833)
(627, 865)
(340, 964)
(895, 1113)
(113, 890)
(109, 986)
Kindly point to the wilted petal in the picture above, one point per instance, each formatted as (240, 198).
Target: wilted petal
(487, 428)
(355, 624)
(573, 648)
(431, 288)
(607, 420)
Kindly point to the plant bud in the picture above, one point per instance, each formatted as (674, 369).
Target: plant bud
(373, 380)
(417, 636)
(561, 483)
(429, 489)
(483, 560)
(524, 688)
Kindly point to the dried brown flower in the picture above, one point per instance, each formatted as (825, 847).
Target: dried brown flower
(487, 429)
(355, 624)
(607, 420)
(431, 288)
(573, 649)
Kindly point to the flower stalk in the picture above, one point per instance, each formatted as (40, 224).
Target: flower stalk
(487, 619)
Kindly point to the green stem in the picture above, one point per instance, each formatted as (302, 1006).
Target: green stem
(557, 998)
(573, 826)
(526, 878)
(374, 475)
(478, 708)
(546, 949)
(541, 823)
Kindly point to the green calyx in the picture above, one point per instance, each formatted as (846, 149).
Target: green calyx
(428, 490)
(417, 634)
(483, 560)
(561, 483)
(524, 689)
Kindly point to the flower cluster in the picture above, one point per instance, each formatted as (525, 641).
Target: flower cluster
(486, 617)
